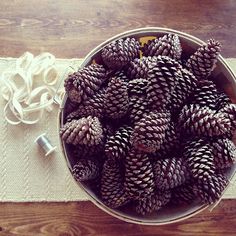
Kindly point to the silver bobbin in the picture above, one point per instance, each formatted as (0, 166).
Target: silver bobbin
(45, 144)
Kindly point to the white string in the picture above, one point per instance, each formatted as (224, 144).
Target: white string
(26, 100)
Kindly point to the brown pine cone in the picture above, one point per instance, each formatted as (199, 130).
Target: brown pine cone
(139, 178)
(162, 77)
(112, 190)
(201, 162)
(177, 101)
(138, 107)
(74, 115)
(137, 87)
(138, 68)
(83, 84)
(118, 145)
(167, 45)
(94, 106)
(186, 83)
(224, 152)
(191, 146)
(171, 142)
(230, 113)
(169, 173)
(183, 194)
(121, 74)
(152, 203)
(222, 101)
(87, 131)
(205, 94)
(85, 169)
(116, 99)
(203, 121)
(203, 61)
(120, 52)
(149, 132)
(209, 190)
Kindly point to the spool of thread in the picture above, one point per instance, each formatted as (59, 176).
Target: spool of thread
(45, 144)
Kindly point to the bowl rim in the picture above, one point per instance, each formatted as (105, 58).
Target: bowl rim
(86, 60)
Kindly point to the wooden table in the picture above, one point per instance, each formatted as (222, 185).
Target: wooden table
(71, 29)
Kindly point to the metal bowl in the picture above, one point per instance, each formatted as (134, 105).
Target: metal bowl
(225, 80)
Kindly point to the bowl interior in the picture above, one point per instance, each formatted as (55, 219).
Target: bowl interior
(225, 81)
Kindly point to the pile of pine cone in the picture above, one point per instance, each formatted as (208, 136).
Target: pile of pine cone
(148, 126)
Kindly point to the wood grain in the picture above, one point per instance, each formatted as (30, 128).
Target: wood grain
(83, 218)
(72, 28)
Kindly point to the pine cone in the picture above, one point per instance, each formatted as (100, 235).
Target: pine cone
(183, 194)
(87, 131)
(85, 169)
(171, 142)
(177, 101)
(149, 132)
(137, 87)
(203, 121)
(116, 99)
(94, 106)
(191, 146)
(169, 173)
(222, 101)
(84, 83)
(138, 68)
(120, 52)
(152, 203)
(209, 190)
(224, 152)
(139, 178)
(162, 77)
(74, 115)
(168, 45)
(118, 145)
(185, 85)
(203, 61)
(201, 162)
(205, 94)
(230, 112)
(138, 107)
(112, 190)
(121, 74)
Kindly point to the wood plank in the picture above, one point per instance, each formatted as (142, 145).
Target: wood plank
(72, 28)
(83, 218)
